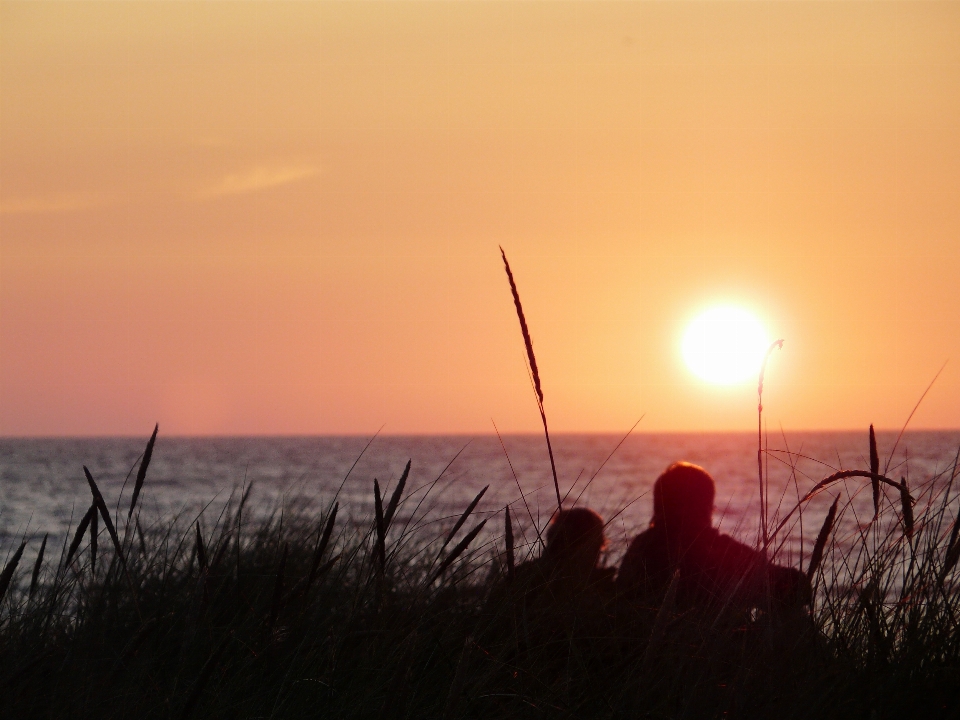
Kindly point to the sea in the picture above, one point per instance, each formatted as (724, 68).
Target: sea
(43, 490)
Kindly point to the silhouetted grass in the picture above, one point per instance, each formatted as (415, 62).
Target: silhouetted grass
(304, 615)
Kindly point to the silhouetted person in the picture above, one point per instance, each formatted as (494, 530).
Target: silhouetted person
(555, 606)
(713, 568)
(574, 541)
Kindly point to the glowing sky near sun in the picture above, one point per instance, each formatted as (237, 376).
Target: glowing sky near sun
(284, 217)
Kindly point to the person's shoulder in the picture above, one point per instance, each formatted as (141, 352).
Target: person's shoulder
(730, 550)
(643, 549)
(647, 539)
(726, 542)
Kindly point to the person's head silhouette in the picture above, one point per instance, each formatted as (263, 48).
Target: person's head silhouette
(575, 539)
(683, 501)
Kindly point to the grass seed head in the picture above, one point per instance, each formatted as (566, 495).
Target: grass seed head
(395, 497)
(7, 575)
(817, 555)
(35, 577)
(142, 471)
(78, 536)
(906, 505)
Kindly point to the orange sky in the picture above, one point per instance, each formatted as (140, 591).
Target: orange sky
(283, 218)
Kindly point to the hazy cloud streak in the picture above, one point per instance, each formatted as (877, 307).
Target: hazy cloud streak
(255, 179)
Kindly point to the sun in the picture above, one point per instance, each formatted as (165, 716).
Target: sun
(725, 345)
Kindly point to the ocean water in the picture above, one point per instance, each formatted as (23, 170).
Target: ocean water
(43, 490)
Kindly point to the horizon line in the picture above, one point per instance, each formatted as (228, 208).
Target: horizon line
(522, 433)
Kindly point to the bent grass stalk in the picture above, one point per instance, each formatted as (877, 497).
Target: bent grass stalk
(820, 486)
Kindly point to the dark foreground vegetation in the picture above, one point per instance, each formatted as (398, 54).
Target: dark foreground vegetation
(311, 614)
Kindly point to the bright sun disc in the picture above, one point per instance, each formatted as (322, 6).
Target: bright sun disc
(725, 345)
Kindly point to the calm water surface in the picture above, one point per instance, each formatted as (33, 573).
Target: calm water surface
(42, 488)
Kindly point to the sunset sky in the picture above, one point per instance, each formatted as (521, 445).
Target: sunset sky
(253, 218)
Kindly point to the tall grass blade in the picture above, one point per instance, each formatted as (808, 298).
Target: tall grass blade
(463, 518)
(381, 546)
(906, 504)
(105, 514)
(395, 498)
(953, 551)
(528, 343)
(874, 470)
(844, 474)
(817, 555)
(94, 536)
(78, 536)
(7, 575)
(201, 550)
(508, 539)
(35, 577)
(142, 472)
(458, 550)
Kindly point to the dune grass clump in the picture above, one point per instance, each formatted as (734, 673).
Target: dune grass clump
(402, 615)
